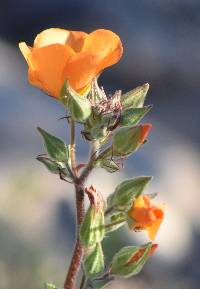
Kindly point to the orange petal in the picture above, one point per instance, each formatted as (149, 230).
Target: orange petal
(81, 70)
(142, 201)
(49, 63)
(51, 36)
(153, 229)
(141, 217)
(26, 51)
(76, 40)
(106, 44)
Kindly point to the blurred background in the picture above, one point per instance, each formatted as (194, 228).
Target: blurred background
(161, 46)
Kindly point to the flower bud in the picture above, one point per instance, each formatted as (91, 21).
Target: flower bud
(130, 260)
(92, 229)
(128, 139)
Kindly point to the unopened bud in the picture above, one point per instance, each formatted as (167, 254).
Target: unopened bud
(128, 139)
(130, 260)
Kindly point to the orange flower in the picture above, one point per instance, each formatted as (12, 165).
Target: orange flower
(146, 216)
(58, 55)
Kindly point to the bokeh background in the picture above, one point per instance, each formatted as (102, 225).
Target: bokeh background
(161, 46)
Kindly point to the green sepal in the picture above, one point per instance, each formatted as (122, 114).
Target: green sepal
(94, 262)
(92, 229)
(93, 120)
(96, 94)
(97, 125)
(53, 166)
(126, 141)
(136, 97)
(123, 263)
(98, 132)
(55, 147)
(66, 92)
(50, 286)
(79, 107)
(133, 116)
(109, 165)
(126, 192)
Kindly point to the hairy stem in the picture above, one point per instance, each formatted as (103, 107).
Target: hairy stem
(78, 249)
(93, 156)
(79, 188)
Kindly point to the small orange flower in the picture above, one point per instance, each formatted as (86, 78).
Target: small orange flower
(58, 55)
(146, 216)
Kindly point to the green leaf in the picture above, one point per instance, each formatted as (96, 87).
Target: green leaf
(136, 97)
(117, 220)
(92, 229)
(50, 286)
(55, 147)
(130, 260)
(94, 263)
(126, 192)
(53, 166)
(133, 116)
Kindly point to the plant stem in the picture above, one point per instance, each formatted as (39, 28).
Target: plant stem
(78, 249)
(93, 156)
(79, 188)
(72, 146)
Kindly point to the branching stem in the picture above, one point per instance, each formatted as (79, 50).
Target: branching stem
(79, 189)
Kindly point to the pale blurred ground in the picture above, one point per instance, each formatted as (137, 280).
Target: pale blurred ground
(162, 46)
